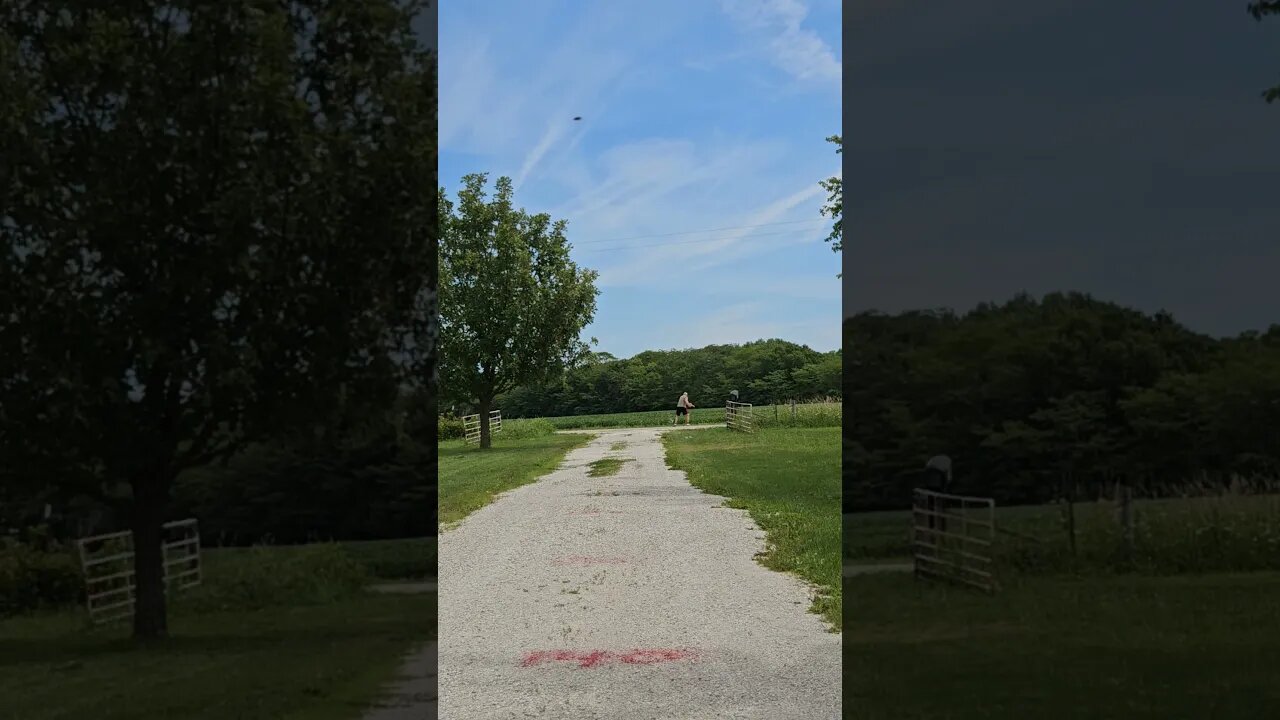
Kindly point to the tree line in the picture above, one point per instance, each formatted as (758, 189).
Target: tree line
(763, 372)
(1062, 397)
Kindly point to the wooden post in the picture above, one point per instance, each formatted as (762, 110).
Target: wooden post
(793, 410)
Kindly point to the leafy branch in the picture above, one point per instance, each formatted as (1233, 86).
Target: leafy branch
(835, 202)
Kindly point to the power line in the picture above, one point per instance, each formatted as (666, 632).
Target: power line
(688, 242)
(695, 232)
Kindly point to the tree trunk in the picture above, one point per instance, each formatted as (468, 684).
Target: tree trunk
(150, 615)
(484, 421)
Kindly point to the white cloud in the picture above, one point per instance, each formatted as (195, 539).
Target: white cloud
(669, 184)
(682, 257)
(795, 49)
(491, 103)
(742, 242)
(467, 82)
(557, 128)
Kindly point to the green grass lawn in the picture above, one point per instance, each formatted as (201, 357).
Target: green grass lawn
(312, 661)
(470, 477)
(876, 536)
(1192, 646)
(789, 480)
(387, 560)
(807, 415)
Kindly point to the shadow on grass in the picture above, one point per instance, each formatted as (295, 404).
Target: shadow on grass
(69, 637)
(322, 662)
(1057, 647)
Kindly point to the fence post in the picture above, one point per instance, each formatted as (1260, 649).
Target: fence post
(793, 410)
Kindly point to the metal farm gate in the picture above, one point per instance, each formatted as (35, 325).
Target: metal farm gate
(107, 561)
(737, 416)
(952, 538)
(471, 425)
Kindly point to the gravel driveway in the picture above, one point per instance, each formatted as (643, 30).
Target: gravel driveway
(631, 597)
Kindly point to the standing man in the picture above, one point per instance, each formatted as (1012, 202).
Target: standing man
(683, 406)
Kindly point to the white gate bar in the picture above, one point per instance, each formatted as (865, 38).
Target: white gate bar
(471, 425)
(182, 551)
(954, 553)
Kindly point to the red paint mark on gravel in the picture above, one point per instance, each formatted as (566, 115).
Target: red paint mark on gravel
(596, 658)
(584, 560)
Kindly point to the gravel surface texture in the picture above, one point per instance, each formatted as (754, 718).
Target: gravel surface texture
(630, 597)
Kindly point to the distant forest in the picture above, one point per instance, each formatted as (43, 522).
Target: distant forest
(764, 371)
(1067, 396)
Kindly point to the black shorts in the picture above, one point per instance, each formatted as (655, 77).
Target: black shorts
(681, 411)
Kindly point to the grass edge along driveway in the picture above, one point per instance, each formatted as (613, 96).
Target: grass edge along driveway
(470, 478)
(788, 480)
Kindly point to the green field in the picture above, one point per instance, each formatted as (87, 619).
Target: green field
(807, 415)
(1172, 647)
(316, 646)
(1185, 628)
(789, 481)
(470, 478)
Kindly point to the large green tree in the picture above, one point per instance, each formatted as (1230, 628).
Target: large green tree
(512, 303)
(217, 223)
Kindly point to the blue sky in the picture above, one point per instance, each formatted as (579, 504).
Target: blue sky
(691, 183)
